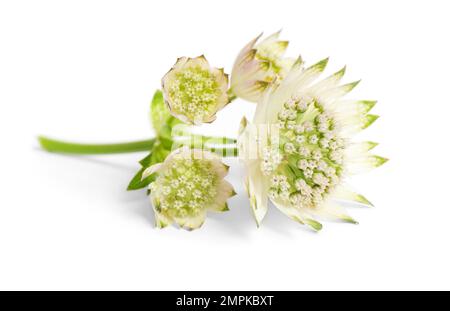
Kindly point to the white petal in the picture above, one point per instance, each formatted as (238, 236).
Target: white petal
(345, 193)
(327, 83)
(267, 109)
(331, 210)
(161, 220)
(150, 170)
(271, 38)
(300, 215)
(299, 78)
(352, 122)
(360, 148)
(335, 93)
(225, 191)
(191, 223)
(296, 82)
(244, 52)
(362, 164)
(257, 186)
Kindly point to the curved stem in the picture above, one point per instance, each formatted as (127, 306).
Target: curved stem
(53, 145)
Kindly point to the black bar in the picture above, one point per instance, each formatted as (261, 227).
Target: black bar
(225, 301)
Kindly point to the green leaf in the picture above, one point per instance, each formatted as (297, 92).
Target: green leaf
(145, 162)
(157, 155)
(162, 120)
(138, 183)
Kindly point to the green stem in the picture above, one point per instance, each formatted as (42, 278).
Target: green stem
(53, 145)
(58, 146)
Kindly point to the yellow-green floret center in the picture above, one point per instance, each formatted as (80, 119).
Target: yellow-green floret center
(185, 188)
(309, 162)
(194, 92)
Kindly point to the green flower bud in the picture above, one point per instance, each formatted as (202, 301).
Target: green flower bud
(258, 65)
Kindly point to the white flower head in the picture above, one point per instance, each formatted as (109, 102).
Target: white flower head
(258, 65)
(315, 156)
(186, 201)
(194, 91)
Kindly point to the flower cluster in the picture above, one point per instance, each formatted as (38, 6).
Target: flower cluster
(298, 150)
(194, 91)
(302, 170)
(188, 184)
(315, 151)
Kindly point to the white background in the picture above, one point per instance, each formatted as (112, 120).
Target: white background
(86, 71)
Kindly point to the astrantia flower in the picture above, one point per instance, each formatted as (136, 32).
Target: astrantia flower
(258, 65)
(302, 168)
(188, 183)
(194, 91)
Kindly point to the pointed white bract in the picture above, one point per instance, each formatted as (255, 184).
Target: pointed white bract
(257, 66)
(188, 184)
(194, 91)
(298, 149)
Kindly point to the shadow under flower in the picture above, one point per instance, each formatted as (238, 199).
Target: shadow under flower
(237, 222)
